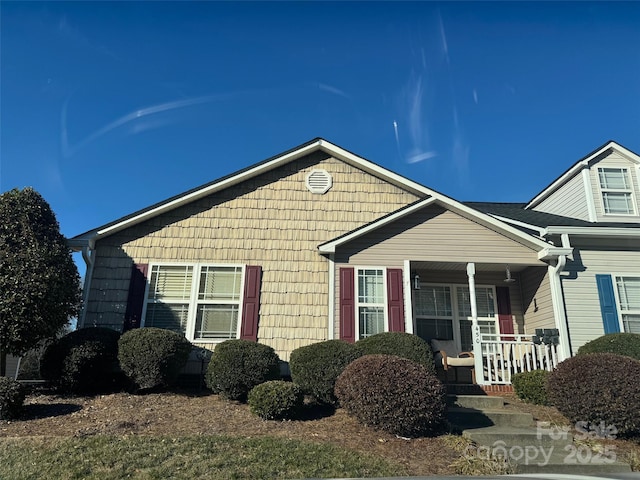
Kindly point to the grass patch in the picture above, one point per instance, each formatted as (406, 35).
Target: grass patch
(208, 457)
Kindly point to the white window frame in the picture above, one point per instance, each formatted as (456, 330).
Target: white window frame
(621, 313)
(358, 304)
(456, 310)
(629, 190)
(193, 301)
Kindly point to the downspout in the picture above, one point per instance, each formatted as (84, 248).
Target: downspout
(88, 255)
(475, 328)
(557, 298)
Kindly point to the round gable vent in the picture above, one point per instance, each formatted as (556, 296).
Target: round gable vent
(318, 181)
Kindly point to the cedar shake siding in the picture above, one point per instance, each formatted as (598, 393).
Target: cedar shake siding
(272, 221)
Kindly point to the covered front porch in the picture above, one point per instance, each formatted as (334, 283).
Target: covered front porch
(503, 314)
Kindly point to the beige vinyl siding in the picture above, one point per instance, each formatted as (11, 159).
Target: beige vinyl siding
(434, 234)
(439, 235)
(570, 200)
(614, 159)
(272, 221)
(536, 298)
(581, 293)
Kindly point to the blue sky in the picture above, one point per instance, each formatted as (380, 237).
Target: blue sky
(107, 108)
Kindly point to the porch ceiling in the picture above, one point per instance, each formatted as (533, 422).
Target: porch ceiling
(480, 267)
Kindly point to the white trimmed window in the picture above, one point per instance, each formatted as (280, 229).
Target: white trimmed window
(200, 301)
(616, 189)
(628, 289)
(370, 302)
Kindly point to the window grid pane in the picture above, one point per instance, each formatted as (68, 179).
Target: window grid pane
(617, 202)
(614, 178)
(220, 283)
(371, 321)
(433, 301)
(370, 286)
(170, 316)
(629, 293)
(216, 322)
(484, 301)
(171, 283)
(631, 323)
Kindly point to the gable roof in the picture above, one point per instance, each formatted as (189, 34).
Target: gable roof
(317, 144)
(584, 162)
(543, 248)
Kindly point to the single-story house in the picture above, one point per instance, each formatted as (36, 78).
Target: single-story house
(318, 243)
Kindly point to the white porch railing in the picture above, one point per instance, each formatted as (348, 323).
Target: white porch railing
(502, 358)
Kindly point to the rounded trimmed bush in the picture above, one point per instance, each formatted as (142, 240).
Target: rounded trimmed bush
(599, 387)
(12, 395)
(237, 366)
(401, 344)
(316, 367)
(153, 357)
(531, 386)
(627, 344)
(393, 394)
(83, 361)
(276, 400)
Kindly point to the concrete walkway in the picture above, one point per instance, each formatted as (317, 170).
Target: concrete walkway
(515, 436)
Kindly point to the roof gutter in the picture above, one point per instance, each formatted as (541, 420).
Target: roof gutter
(593, 231)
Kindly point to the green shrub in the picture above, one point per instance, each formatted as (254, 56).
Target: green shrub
(276, 400)
(153, 357)
(393, 394)
(83, 361)
(599, 387)
(401, 344)
(316, 367)
(237, 366)
(12, 395)
(531, 386)
(627, 344)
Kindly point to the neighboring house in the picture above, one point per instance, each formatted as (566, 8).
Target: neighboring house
(318, 243)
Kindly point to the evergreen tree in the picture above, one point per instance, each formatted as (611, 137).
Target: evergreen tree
(39, 282)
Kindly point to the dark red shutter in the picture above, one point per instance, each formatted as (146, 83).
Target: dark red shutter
(505, 320)
(347, 305)
(135, 300)
(251, 303)
(395, 300)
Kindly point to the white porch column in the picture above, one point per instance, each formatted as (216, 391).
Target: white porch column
(475, 328)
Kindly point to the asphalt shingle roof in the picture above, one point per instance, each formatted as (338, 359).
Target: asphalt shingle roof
(516, 211)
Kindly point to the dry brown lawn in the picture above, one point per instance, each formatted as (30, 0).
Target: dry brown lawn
(176, 414)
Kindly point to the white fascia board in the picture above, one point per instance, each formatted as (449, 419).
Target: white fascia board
(330, 247)
(584, 163)
(594, 231)
(552, 252)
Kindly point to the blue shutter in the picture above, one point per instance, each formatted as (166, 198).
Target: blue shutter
(608, 304)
